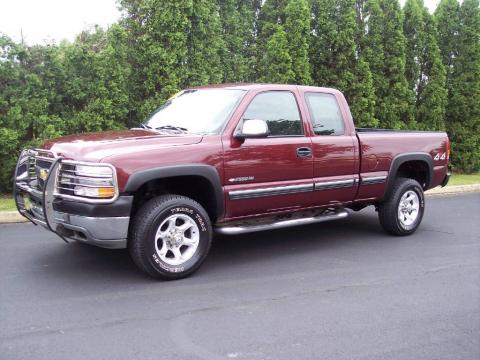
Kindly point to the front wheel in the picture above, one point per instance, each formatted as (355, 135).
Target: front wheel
(171, 237)
(402, 211)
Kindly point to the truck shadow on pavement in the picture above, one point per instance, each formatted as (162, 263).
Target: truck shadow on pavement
(229, 254)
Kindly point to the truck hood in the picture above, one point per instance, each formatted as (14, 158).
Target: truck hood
(97, 146)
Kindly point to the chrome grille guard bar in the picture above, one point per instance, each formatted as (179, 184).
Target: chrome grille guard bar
(46, 215)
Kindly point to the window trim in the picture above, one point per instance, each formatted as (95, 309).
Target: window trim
(310, 114)
(241, 118)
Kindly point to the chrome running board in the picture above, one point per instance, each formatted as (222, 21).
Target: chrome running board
(243, 229)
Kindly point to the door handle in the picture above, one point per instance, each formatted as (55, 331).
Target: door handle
(304, 152)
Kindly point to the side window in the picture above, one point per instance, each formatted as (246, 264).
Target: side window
(325, 114)
(279, 109)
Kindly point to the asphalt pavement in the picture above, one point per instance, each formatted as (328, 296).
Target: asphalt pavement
(338, 290)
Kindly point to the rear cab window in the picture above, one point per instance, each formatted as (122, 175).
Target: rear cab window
(279, 109)
(325, 114)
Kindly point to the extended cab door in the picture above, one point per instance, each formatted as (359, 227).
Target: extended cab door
(335, 147)
(270, 174)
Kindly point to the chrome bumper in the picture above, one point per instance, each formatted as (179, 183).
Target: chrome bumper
(38, 207)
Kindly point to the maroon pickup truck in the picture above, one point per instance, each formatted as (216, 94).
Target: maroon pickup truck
(229, 159)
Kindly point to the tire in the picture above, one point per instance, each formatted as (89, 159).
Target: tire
(157, 243)
(397, 212)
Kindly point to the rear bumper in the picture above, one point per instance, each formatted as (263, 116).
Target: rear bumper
(103, 225)
(445, 180)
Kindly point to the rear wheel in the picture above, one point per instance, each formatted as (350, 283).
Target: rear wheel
(171, 237)
(402, 211)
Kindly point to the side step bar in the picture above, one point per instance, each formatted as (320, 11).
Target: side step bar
(243, 229)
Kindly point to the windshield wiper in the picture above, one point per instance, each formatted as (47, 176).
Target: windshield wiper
(145, 126)
(171, 127)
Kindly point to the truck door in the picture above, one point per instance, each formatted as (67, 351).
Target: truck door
(271, 174)
(335, 174)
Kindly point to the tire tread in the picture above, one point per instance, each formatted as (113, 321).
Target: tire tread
(387, 210)
(142, 221)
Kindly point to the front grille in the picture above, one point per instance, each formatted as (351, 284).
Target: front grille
(33, 168)
(32, 174)
(66, 179)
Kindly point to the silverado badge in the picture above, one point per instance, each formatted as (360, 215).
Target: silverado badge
(242, 178)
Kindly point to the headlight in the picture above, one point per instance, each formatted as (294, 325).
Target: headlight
(87, 181)
(96, 171)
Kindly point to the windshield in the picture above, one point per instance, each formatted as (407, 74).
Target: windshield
(202, 111)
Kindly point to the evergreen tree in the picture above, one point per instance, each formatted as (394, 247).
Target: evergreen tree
(425, 72)
(361, 13)
(276, 62)
(205, 44)
(334, 57)
(270, 16)
(385, 53)
(431, 96)
(361, 96)
(297, 27)
(272, 13)
(238, 24)
(414, 30)
(446, 17)
(157, 41)
(463, 111)
(372, 48)
(287, 24)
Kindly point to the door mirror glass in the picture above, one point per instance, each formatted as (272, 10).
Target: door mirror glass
(253, 128)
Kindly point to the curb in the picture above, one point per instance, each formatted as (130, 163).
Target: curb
(11, 217)
(452, 190)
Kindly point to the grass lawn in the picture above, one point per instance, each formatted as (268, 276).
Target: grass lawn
(7, 203)
(461, 179)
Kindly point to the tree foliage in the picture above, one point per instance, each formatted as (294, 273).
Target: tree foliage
(336, 58)
(276, 62)
(238, 28)
(447, 20)
(398, 68)
(385, 52)
(425, 72)
(297, 27)
(463, 112)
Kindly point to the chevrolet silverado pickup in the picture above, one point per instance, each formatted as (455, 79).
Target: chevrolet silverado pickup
(230, 159)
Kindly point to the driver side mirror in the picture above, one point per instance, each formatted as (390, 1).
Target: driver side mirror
(252, 128)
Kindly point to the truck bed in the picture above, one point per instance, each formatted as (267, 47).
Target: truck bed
(381, 148)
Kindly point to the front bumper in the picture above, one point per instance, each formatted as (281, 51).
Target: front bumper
(103, 225)
(106, 232)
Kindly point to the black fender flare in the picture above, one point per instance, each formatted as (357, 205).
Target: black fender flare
(406, 157)
(208, 172)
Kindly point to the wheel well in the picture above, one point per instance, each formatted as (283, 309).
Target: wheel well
(195, 187)
(417, 170)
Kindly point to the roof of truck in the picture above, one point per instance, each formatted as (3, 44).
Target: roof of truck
(264, 86)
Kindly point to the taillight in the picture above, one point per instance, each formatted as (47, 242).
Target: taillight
(448, 148)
